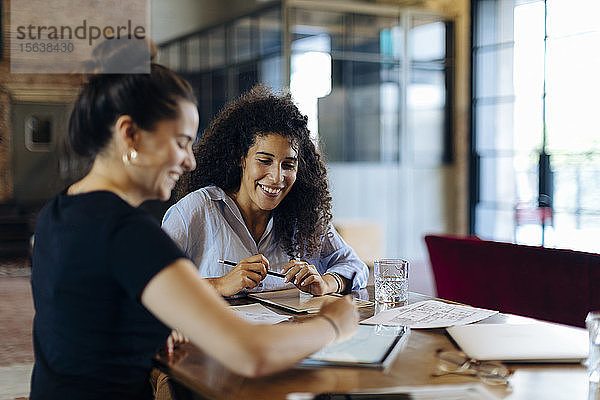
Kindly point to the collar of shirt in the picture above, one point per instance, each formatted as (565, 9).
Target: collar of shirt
(237, 222)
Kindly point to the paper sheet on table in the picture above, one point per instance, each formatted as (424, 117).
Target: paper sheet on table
(430, 314)
(258, 314)
(467, 391)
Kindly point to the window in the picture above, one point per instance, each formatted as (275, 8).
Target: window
(535, 140)
(38, 133)
(228, 59)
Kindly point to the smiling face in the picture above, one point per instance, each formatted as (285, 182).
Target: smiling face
(166, 152)
(268, 174)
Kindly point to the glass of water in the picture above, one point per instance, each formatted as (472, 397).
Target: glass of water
(592, 323)
(391, 281)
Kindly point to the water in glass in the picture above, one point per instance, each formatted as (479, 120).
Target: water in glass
(593, 361)
(391, 289)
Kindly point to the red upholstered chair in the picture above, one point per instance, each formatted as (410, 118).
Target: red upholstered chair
(550, 284)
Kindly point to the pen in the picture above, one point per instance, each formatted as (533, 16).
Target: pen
(227, 262)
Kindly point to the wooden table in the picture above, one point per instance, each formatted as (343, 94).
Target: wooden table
(206, 378)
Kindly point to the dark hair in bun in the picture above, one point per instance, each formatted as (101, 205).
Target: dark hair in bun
(146, 97)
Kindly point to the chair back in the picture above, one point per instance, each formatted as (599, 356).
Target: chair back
(550, 284)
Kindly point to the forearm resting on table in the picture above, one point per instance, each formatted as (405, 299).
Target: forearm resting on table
(182, 300)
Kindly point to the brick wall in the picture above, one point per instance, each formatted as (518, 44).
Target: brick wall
(42, 88)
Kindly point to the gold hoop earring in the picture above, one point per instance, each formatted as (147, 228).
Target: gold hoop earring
(130, 156)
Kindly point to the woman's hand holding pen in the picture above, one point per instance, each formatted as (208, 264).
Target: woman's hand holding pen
(306, 278)
(247, 274)
(342, 315)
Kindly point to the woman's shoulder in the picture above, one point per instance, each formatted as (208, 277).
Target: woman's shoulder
(201, 201)
(200, 197)
(94, 205)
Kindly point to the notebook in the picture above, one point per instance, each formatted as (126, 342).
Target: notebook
(297, 301)
(538, 342)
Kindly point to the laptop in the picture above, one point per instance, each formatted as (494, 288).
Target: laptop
(537, 342)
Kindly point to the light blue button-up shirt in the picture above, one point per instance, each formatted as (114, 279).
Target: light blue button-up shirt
(208, 225)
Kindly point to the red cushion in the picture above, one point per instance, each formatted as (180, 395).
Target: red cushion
(550, 284)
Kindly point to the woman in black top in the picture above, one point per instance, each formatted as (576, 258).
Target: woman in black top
(109, 284)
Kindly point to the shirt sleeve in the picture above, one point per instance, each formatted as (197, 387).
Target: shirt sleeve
(337, 256)
(175, 224)
(139, 249)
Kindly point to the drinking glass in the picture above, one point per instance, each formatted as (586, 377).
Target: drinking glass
(391, 281)
(592, 323)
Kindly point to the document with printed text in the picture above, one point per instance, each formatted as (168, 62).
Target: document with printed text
(430, 314)
(258, 314)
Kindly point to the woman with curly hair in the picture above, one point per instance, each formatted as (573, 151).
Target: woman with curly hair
(260, 199)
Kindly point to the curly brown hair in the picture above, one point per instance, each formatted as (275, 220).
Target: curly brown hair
(302, 218)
